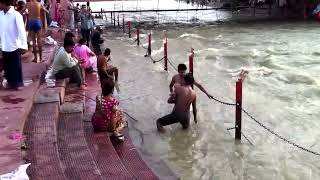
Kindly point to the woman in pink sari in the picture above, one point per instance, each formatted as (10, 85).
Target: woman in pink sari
(84, 54)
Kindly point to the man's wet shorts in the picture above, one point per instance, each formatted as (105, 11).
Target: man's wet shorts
(34, 25)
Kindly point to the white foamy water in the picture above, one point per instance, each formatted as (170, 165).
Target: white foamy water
(282, 91)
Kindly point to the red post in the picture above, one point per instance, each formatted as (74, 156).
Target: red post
(149, 44)
(138, 36)
(129, 29)
(118, 22)
(191, 61)
(238, 109)
(165, 54)
(123, 26)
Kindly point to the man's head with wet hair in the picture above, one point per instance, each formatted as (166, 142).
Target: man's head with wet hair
(188, 78)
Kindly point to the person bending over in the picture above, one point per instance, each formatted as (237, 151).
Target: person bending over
(183, 97)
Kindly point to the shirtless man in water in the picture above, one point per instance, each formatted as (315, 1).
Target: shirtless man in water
(179, 79)
(35, 10)
(183, 97)
(106, 71)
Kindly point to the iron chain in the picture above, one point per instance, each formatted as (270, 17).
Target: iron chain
(279, 136)
(225, 103)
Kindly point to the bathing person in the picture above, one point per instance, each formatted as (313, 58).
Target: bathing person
(182, 97)
(88, 58)
(34, 26)
(105, 70)
(179, 79)
(65, 66)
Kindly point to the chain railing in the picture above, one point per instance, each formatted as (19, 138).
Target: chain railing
(235, 105)
(279, 136)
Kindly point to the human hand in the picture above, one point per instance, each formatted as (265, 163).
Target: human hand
(195, 120)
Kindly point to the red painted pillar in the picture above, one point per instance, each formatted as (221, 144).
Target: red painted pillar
(238, 109)
(165, 54)
(129, 29)
(138, 36)
(191, 56)
(149, 44)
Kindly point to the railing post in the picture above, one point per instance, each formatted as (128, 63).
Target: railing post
(165, 54)
(123, 26)
(114, 20)
(111, 18)
(129, 29)
(118, 22)
(149, 44)
(191, 61)
(138, 36)
(238, 109)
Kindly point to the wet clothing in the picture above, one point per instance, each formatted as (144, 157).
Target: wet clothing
(176, 117)
(34, 25)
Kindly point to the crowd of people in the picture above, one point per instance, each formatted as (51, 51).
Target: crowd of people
(73, 60)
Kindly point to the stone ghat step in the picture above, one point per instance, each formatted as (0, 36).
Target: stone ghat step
(126, 152)
(41, 141)
(74, 154)
(132, 160)
(105, 156)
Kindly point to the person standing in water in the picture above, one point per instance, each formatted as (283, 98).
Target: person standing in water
(179, 79)
(183, 97)
(34, 26)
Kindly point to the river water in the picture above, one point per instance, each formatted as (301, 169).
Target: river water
(282, 91)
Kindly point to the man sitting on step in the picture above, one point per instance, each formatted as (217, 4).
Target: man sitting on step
(65, 66)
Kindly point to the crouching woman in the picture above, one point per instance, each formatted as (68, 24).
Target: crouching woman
(108, 116)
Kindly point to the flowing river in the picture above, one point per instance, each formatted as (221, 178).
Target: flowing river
(282, 91)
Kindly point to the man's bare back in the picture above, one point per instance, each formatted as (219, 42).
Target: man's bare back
(184, 96)
(34, 9)
(102, 63)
